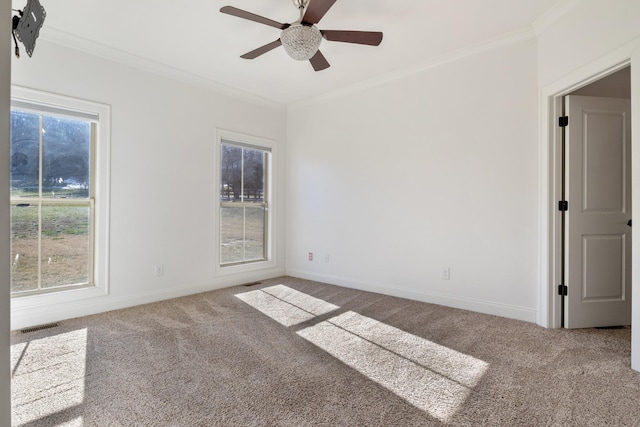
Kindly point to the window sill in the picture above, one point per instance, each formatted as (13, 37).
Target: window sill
(229, 270)
(27, 302)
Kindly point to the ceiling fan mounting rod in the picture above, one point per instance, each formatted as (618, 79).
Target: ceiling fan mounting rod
(301, 5)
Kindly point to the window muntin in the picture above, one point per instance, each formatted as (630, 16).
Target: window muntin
(243, 203)
(52, 198)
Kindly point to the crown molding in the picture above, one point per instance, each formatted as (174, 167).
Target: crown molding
(89, 47)
(68, 40)
(523, 34)
(552, 15)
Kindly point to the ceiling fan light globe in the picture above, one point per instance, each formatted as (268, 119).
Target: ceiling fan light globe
(301, 42)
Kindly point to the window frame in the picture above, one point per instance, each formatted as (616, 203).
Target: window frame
(257, 143)
(99, 197)
(41, 201)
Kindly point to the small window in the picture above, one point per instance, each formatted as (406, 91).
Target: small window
(52, 190)
(244, 208)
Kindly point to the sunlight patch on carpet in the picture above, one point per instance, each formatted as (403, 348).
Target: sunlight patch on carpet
(48, 377)
(285, 305)
(433, 378)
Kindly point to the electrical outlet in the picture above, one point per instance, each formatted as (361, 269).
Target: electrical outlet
(326, 257)
(159, 270)
(310, 256)
(446, 273)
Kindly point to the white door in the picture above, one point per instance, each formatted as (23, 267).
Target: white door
(598, 189)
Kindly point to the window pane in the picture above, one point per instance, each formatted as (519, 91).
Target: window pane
(231, 173)
(25, 154)
(241, 234)
(254, 233)
(66, 157)
(253, 179)
(65, 245)
(231, 235)
(24, 247)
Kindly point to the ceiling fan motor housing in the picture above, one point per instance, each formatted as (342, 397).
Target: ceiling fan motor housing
(301, 42)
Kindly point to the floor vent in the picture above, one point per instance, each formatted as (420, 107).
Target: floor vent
(252, 284)
(39, 328)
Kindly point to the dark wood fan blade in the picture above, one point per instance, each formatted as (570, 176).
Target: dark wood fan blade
(234, 11)
(372, 38)
(319, 62)
(262, 49)
(316, 10)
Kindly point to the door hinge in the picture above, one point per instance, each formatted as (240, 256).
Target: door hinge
(563, 206)
(563, 121)
(563, 290)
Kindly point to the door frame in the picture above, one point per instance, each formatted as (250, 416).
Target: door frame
(550, 303)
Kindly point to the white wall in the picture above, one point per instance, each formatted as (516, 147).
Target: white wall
(592, 29)
(430, 171)
(595, 36)
(163, 153)
(5, 80)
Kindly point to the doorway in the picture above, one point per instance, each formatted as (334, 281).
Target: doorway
(592, 233)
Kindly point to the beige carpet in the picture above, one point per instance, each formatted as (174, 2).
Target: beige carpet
(290, 352)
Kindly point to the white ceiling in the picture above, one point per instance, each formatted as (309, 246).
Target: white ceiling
(195, 39)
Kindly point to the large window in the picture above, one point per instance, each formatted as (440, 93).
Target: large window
(244, 209)
(52, 197)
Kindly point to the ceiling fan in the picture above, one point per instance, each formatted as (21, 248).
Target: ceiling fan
(301, 39)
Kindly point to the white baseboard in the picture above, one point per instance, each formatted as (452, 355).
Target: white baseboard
(31, 315)
(454, 301)
(24, 315)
